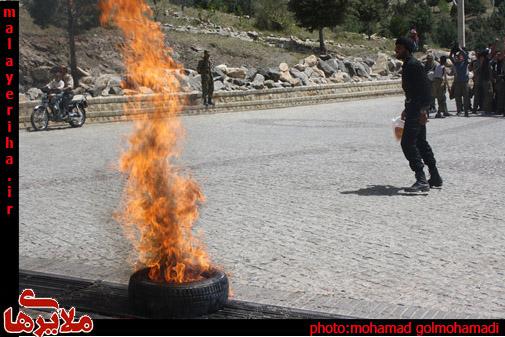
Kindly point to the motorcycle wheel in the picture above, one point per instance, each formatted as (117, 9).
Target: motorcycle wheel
(80, 117)
(39, 119)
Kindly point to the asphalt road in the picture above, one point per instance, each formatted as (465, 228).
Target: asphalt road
(304, 208)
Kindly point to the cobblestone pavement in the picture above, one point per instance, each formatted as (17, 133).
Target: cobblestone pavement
(304, 209)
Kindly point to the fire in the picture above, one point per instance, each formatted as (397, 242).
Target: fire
(160, 203)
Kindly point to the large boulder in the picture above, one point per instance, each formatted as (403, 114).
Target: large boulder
(340, 77)
(34, 93)
(300, 75)
(196, 82)
(310, 61)
(218, 86)
(221, 67)
(274, 74)
(300, 67)
(350, 68)
(251, 73)
(237, 73)
(381, 65)
(258, 82)
(283, 67)
(326, 68)
(361, 69)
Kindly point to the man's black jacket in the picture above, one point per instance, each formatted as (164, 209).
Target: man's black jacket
(416, 85)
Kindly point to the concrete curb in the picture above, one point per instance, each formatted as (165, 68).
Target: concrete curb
(111, 109)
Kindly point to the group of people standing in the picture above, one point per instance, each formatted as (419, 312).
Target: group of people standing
(485, 69)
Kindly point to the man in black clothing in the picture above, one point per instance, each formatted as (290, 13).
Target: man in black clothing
(417, 89)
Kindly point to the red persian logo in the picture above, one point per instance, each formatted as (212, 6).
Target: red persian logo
(61, 321)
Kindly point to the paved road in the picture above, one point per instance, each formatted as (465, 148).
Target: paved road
(304, 209)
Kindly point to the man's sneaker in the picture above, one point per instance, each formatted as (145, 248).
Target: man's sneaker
(418, 187)
(421, 185)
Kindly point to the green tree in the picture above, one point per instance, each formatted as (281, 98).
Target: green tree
(412, 13)
(445, 32)
(74, 15)
(318, 14)
(369, 13)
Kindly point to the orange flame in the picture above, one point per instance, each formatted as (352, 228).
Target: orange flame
(160, 205)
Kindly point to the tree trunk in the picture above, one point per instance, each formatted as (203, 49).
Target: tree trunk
(71, 41)
(322, 46)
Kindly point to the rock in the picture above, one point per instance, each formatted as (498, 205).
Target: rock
(300, 75)
(23, 98)
(253, 35)
(237, 72)
(82, 72)
(217, 74)
(340, 77)
(258, 82)
(300, 67)
(310, 61)
(239, 82)
(350, 68)
(222, 67)
(115, 90)
(317, 73)
(361, 70)
(251, 73)
(308, 71)
(218, 86)
(381, 65)
(196, 82)
(105, 92)
(34, 93)
(42, 74)
(274, 74)
(283, 67)
(87, 80)
(270, 84)
(129, 92)
(326, 68)
(325, 57)
(146, 90)
(369, 62)
(286, 77)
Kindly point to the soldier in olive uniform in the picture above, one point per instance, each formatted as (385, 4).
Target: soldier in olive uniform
(417, 89)
(205, 70)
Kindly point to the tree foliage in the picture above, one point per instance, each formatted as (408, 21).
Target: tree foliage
(369, 13)
(55, 12)
(318, 14)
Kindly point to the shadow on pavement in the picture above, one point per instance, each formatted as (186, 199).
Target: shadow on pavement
(382, 190)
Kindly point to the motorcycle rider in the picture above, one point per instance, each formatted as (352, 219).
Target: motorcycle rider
(62, 84)
(67, 93)
(56, 85)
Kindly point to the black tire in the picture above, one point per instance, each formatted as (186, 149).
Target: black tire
(77, 122)
(185, 300)
(39, 119)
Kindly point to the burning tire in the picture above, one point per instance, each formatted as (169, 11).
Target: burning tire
(171, 300)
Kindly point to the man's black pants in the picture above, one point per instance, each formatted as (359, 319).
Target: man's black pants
(415, 147)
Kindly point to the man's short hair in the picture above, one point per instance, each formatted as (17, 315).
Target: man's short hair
(406, 42)
(443, 59)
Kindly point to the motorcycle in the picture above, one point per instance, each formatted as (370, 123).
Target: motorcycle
(73, 113)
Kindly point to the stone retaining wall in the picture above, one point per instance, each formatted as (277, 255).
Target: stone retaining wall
(109, 109)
